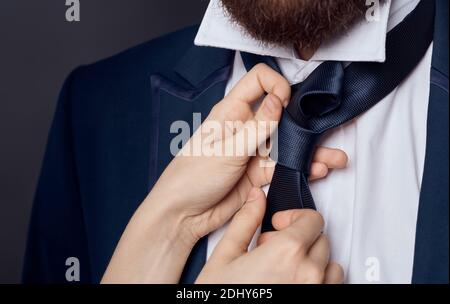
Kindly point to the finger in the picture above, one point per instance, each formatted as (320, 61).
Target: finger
(332, 158)
(270, 109)
(283, 219)
(265, 237)
(334, 274)
(254, 132)
(319, 252)
(258, 81)
(242, 228)
(260, 171)
(228, 207)
(305, 225)
(318, 171)
(237, 105)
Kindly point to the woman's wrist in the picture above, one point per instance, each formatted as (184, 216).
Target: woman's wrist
(175, 223)
(158, 237)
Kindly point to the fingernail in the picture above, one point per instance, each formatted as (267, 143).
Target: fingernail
(272, 103)
(253, 195)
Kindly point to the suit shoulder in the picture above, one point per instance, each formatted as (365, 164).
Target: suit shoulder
(157, 54)
(121, 85)
(125, 77)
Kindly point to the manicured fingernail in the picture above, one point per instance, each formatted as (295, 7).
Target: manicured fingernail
(253, 195)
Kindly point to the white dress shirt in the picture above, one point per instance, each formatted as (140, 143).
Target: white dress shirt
(370, 208)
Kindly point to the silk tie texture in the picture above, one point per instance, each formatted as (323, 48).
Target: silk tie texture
(331, 96)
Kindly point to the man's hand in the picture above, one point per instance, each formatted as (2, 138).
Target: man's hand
(296, 253)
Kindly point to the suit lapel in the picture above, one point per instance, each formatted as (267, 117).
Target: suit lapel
(431, 258)
(196, 84)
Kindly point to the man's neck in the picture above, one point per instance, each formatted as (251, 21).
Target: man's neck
(305, 54)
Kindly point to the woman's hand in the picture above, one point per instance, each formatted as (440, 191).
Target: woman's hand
(199, 192)
(206, 191)
(296, 253)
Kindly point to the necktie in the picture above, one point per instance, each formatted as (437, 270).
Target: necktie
(333, 95)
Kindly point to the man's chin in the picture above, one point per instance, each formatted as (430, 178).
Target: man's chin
(305, 23)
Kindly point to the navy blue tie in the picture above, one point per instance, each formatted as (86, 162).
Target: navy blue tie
(332, 95)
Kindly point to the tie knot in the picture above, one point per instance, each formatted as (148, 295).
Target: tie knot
(319, 94)
(295, 144)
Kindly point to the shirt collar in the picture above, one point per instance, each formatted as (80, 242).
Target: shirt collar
(364, 42)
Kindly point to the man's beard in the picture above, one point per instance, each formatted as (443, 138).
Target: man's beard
(305, 24)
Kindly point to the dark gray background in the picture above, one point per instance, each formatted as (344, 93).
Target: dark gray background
(38, 48)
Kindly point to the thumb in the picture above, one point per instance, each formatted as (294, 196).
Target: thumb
(242, 228)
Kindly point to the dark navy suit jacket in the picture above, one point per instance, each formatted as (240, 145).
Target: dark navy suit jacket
(110, 138)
